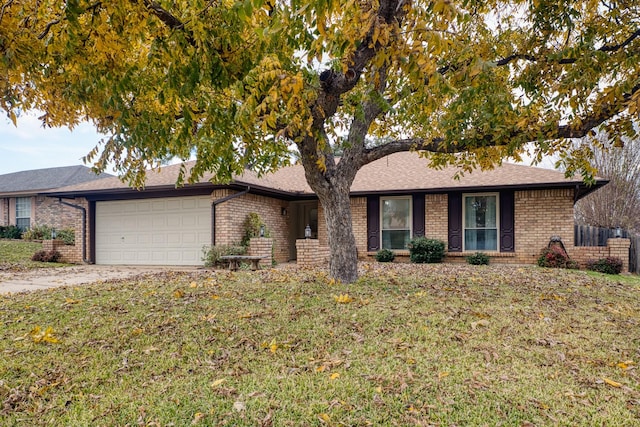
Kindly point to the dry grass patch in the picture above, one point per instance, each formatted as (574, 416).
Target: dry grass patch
(406, 345)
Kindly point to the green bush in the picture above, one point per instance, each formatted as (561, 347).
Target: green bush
(555, 256)
(385, 255)
(37, 232)
(251, 227)
(212, 254)
(423, 250)
(67, 235)
(10, 232)
(478, 259)
(608, 265)
(46, 256)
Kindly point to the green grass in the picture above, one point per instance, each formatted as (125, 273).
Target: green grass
(16, 255)
(406, 345)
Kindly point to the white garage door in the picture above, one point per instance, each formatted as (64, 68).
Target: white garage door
(166, 231)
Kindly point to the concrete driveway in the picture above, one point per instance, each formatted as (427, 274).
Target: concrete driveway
(45, 278)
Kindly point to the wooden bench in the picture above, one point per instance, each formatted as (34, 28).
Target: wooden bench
(235, 260)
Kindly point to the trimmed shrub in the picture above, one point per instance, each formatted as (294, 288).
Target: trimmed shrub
(555, 256)
(211, 254)
(37, 232)
(608, 265)
(67, 235)
(10, 232)
(46, 256)
(423, 250)
(385, 255)
(478, 258)
(251, 227)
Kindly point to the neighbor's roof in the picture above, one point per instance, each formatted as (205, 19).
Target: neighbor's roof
(38, 180)
(400, 172)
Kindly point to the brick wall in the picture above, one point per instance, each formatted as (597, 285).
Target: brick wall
(437, 217)
(73, 219)
(311, 253)
(69, 253)
(48, 211)
(618, 248)
(230, 217)
(359, 224)
(261, 246)
(4, 211)
(78, 228)
(540, 214)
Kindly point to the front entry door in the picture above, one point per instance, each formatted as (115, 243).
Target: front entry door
(302, 214)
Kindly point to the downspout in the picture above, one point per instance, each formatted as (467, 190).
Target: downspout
(84, 228)
(213, 211)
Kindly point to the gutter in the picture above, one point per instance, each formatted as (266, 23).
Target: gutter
(213, 211)
(84, 228)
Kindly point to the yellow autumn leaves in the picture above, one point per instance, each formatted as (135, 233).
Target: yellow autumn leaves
(40, 336)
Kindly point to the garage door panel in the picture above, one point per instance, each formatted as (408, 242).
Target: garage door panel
(167, 231)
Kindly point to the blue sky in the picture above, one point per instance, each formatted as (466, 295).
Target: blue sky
(30, 146)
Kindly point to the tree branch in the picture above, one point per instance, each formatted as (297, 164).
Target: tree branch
(56, 21)
(563, 61)
(550, 132)
(168, 19)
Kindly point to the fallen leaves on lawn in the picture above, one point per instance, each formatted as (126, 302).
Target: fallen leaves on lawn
(40, 336)
(343, 299)
(612, 383)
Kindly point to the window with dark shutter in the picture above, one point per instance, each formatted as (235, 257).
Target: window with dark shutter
(455, 222)
(373, 223)
(418, 215)
(507, 221)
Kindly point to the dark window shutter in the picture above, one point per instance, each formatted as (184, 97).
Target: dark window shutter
(418, 215)
(507, 222)
(373, 223)
(455, 222)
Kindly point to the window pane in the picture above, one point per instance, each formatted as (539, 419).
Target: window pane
(480, 212)
(23, 207)
(23, 212)
(395, 214)
(481, 240)
(395, 239)
(23, 223)
(396, 222)
(480, 223)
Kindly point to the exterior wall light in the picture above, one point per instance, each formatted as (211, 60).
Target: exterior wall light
(262, 230)
(307, 232)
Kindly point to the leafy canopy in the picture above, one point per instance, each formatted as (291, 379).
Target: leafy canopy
(242, 83)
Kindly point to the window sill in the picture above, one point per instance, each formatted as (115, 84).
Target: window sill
(492, 254)
(456, 254)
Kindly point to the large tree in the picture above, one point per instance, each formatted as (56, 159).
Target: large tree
(237, 83)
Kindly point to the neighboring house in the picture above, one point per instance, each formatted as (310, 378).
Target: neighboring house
(20, 204)
(509, 212)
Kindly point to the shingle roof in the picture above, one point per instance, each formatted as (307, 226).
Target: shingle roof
(37, 180)
(395, 173)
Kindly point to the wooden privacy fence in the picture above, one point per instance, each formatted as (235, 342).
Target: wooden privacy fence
(587, 235)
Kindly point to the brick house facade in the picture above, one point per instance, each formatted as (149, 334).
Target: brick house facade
(24, 188)
(510, 212)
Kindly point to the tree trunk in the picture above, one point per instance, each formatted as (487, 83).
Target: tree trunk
(343, 259)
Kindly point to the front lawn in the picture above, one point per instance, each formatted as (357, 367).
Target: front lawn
(406, 345)
(15, 255)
